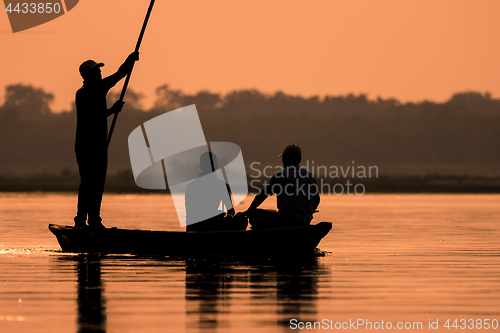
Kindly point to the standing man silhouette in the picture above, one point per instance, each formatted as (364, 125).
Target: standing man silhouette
(91, 134)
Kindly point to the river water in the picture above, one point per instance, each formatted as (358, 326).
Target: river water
(398, 260)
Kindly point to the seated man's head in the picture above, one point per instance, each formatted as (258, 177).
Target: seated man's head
(206, 162)
(291, 155)
(91, 70)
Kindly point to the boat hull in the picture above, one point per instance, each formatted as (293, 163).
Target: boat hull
(251, 242)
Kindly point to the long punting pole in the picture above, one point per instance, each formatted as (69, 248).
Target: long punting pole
(125, 85)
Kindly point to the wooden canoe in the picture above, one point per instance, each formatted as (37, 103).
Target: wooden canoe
(177, 243)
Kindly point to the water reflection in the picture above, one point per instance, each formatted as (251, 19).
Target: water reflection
(297, 290)
(221, 294)
(214, 287)
(207, 289)
(91, 303)
(295, 284)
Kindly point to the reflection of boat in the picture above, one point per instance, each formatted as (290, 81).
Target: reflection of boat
(285, 288)
(265, 241)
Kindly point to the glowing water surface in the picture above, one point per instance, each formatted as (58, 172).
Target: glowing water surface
(392, 258)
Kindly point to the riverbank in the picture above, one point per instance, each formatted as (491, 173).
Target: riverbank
(123, 182)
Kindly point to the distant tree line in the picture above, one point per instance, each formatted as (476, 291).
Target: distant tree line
(459, 136)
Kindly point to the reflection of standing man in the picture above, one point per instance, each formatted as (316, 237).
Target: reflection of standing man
(90, 298)
(91, 134)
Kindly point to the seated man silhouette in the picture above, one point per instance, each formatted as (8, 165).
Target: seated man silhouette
(297, 195)
(205, 200)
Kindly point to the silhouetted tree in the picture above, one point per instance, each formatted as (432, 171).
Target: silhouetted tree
(26, 101)
(167, 98)
(458, 136)
(204, 100)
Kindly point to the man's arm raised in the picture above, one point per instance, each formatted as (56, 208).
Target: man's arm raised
(124, 69)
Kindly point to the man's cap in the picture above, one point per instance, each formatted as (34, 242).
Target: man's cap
(88, 65)
(291, 150)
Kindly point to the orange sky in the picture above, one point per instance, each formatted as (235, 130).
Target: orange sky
(410, 50)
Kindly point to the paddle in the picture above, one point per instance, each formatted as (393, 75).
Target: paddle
(125, 85)
(225, 180)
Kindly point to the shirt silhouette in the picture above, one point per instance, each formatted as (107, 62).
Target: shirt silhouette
(91, 133)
